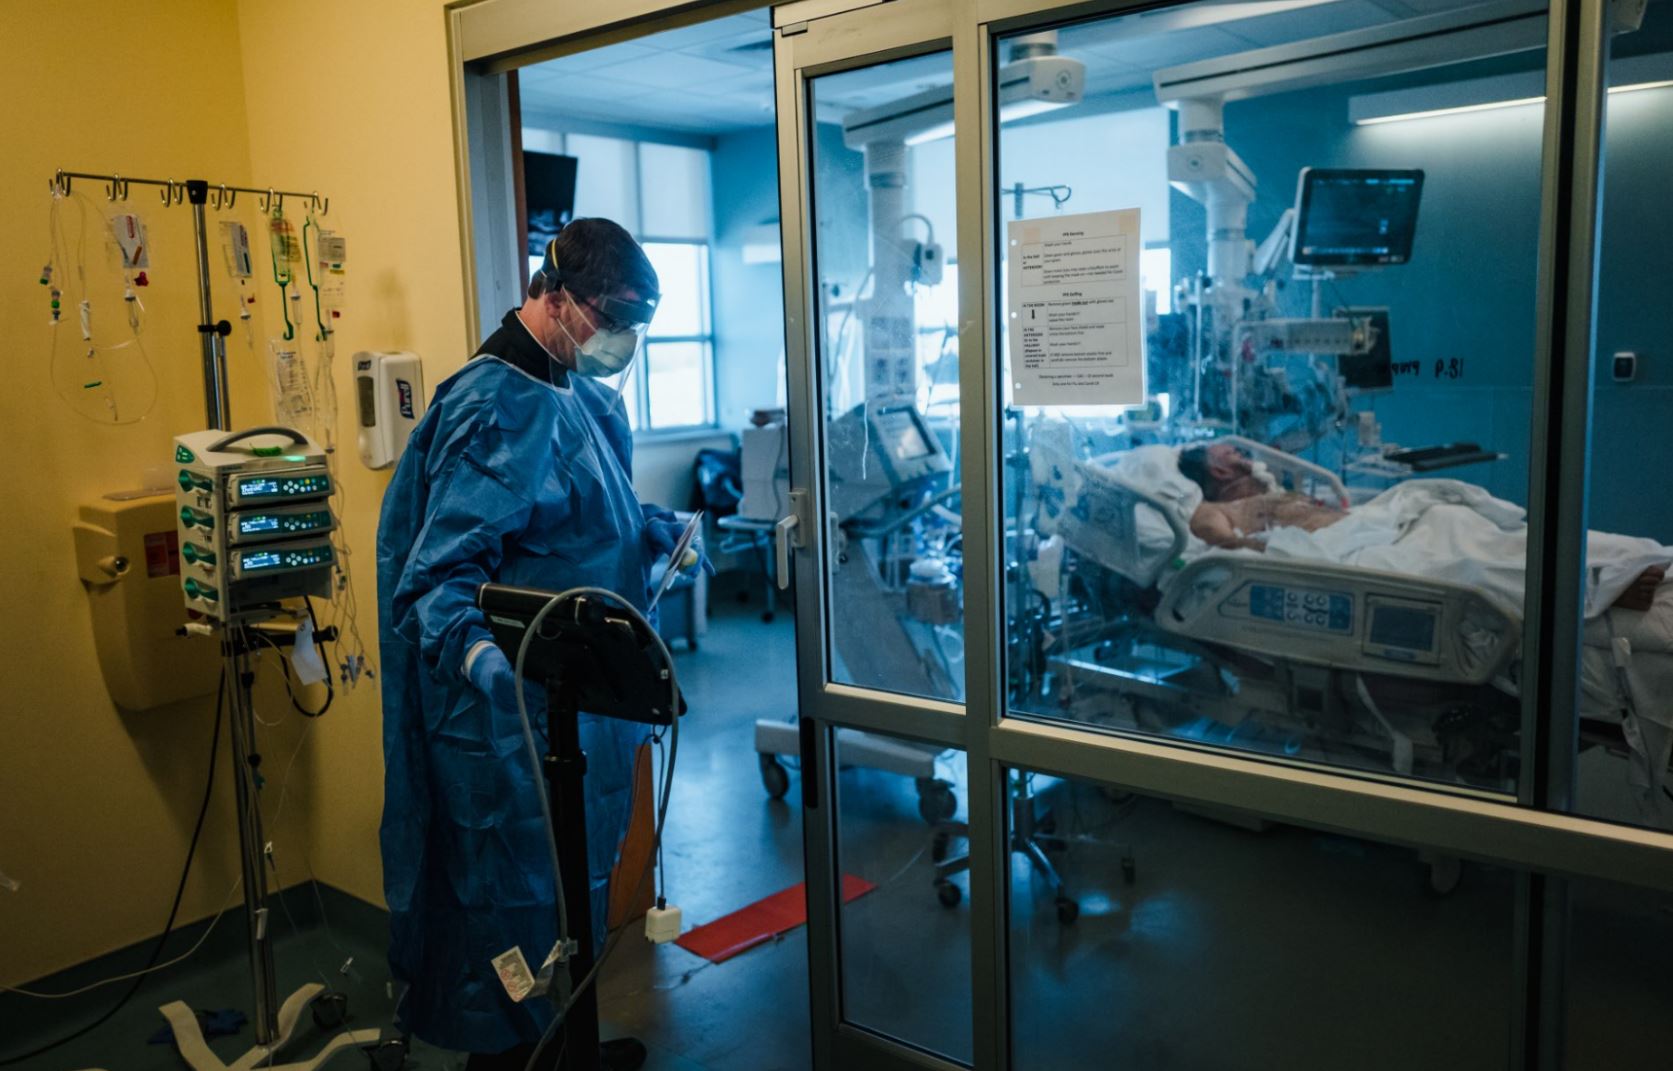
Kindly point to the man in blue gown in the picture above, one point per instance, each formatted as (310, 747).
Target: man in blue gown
(520, 473)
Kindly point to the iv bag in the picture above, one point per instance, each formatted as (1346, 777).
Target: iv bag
(129, 231)
(286, 249)
(329, 271)
(235, 247)
(293, 400)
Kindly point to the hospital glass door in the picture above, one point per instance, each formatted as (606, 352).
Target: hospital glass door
(1202, 761)
(865, 119)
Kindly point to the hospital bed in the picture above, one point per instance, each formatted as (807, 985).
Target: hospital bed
(1328, 663)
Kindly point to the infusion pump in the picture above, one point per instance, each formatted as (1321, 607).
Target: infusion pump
(254, 519)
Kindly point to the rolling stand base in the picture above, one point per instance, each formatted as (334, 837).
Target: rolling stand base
(188, 1038)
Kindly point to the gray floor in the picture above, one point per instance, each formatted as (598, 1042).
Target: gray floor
(1231, 949)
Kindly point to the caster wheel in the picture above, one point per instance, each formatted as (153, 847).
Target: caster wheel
(774, 777)
(1129, 870)
(767, 617)
(1067, 910)
(939, 846)
(948, 893)
(692, 645)
(936, 801)
(743, 597)
(388, 1055)
(329, 1010)
(1445, 873)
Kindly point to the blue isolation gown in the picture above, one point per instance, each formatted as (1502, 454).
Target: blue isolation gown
(518, 474)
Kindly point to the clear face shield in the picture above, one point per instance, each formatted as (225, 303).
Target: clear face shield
(619, 325)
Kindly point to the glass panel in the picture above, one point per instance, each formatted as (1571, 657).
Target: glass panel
(678, 383)
(905, 958)
(682, 270)
(1619, 988)
(1219, 542)
(680, 177)
(1217, 941)
(883, 197)
(606, 178)
(1625, 723)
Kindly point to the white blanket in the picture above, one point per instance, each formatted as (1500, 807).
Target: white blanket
(1456, 531)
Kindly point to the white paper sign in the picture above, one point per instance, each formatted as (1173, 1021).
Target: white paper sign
(1076, 310)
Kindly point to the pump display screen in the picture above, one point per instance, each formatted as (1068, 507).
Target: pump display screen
(901, 436)
(261, 559)
(278, 486)
(1408, 628)
(280, 559)
(1346, 217)
(254, 524)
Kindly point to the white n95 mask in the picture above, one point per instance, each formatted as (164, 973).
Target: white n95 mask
(607, 352)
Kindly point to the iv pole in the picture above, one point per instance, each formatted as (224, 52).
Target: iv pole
(273, 1024)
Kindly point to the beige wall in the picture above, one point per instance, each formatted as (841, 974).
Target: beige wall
(353, 98)
(97, 804)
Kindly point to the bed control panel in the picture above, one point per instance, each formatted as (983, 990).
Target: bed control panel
(1342, 617)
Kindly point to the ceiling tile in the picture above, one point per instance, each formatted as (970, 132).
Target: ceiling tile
(1312, 22)
(670, 70)
(751, 46)
(590, 60)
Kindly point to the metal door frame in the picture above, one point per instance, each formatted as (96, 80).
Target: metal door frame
(815, 38)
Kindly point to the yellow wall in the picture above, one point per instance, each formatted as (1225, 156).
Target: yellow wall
(353, 99)
(97, 805)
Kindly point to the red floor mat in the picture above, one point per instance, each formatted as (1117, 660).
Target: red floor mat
(742, 930)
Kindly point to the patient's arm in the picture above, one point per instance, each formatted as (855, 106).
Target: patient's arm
(1642, 592)
(1218, 526)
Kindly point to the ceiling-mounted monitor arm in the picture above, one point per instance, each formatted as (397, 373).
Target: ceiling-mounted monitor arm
(1208, 170)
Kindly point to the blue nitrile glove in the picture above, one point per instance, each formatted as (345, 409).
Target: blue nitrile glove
(491, 673)
(662, 534)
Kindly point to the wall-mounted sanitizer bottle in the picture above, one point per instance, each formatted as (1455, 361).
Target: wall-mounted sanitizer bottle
(389, 395)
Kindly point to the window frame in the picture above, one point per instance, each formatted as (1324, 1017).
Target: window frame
(706, 339)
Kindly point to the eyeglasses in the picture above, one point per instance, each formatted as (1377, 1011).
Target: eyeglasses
(606, 322)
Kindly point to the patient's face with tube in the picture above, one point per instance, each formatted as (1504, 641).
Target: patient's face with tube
(1224, 472)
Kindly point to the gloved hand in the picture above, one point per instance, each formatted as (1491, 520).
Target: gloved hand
(492, 674)
(661, 536)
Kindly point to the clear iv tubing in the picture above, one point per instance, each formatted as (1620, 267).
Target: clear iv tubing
(535, 766)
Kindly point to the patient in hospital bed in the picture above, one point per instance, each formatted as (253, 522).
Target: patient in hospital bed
(1240, 511)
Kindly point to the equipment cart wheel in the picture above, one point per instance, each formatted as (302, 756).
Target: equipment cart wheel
(1129, 869)
(936, 801)
(1445, 872)
(774, 777)
(329, 1009)
(939, 846)
(948, 893)
(1067, 910)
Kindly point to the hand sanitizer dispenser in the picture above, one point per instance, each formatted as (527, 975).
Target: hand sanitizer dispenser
(389, 396)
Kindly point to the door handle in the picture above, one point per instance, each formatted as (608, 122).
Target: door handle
(787, 533)
(781, 540)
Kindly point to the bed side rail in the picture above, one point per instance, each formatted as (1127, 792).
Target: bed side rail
(1294, 473)
(1104, 518)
